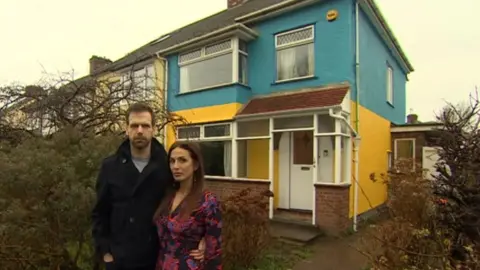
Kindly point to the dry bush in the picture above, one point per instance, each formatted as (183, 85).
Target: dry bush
(411, 238)
(246, 228)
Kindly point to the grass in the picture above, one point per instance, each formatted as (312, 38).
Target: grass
(282, 256)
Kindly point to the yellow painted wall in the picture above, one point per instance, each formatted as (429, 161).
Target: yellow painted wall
(375, 142)
(204, 115)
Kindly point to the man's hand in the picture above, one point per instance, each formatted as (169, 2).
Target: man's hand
(108, 258)
(199, 254)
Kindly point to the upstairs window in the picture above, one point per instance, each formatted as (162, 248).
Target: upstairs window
(213, 65)
(141, 83)
(390, 85)
(295, 54)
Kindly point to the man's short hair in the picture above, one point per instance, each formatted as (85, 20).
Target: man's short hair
(139, 108)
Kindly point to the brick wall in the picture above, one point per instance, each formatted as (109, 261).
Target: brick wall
(224, 188)
(332, 207)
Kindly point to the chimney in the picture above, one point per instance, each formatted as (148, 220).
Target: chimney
(96, 63)
(234, 3)
(412, 118)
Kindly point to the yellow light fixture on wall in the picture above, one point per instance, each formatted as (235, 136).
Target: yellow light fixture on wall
(332, 15)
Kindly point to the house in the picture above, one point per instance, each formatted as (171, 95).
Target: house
(297, 97)
(293, 96)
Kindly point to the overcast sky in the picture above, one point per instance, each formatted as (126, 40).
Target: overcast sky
(442, 40)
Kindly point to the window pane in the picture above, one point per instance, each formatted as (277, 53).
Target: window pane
(293, 122)
(404, 149)
(326, 124)
(295, 62)
(242, 158)
(188, 132)
(253, 128)
(390, 85)
(216, 158)
(242, 69)
(217, 130)
(211, 72)
(325, 159)
(303, 148)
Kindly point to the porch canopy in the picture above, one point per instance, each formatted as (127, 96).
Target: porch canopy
(306, 130)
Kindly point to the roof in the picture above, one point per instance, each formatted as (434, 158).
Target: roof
(415, 127)
(227, 17)
(327, 96)
(196, 29)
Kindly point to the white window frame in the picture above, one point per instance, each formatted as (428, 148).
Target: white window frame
(389, 88)
(127, 77)
(234, 50)
(202, 138)
(414, 148)
(291, 45)
(202, 133)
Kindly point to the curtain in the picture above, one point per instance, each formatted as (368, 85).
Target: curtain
(227, 158)
(287, 64)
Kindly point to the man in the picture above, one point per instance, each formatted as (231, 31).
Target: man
(130, 186)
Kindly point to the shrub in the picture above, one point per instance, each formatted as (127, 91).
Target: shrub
(46, 194)
(245, 232)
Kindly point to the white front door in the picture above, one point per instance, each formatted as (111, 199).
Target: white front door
(296, 170)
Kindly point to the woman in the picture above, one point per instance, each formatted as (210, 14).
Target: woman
(188, 214)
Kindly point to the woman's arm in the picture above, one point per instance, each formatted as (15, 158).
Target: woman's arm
(213, 234)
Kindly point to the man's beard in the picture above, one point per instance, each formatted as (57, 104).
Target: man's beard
(140, 142)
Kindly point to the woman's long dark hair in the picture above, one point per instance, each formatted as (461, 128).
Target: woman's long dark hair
(192, 200)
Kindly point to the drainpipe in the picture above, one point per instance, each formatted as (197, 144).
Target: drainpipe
(165, 95)
(357, 112)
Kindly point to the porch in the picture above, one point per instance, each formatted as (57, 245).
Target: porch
(298, 144)
(303, 147)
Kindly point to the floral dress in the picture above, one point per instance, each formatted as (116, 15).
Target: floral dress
(179, 237)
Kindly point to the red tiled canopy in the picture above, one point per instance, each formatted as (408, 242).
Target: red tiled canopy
(316, 98)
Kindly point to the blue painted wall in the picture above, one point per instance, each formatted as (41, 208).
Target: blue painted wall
(374, 58)
(334, 61)
(334, 58)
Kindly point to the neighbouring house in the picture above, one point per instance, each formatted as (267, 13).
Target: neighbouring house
(295, 97)
(416, 141)
(145, 78)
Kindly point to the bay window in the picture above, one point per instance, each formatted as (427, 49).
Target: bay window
(215, 144)
(214, 65)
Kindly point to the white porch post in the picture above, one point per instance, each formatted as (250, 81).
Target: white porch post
(234, 150)
(338, 152)
(348, 159)
(315, 166)
(270, 167)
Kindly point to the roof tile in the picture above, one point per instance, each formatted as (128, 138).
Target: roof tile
(312, 98)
